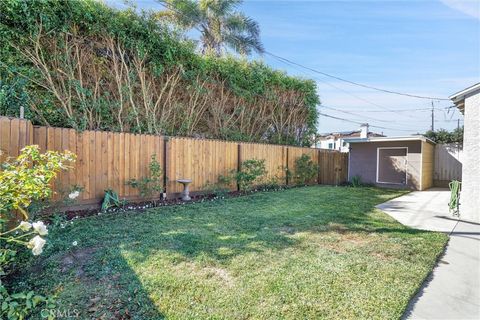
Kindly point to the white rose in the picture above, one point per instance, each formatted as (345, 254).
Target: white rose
(24, 226)
(36, 244)
(74, 243)
(74, 195)
(40, 228)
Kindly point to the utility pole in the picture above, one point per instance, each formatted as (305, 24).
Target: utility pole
(433, 117)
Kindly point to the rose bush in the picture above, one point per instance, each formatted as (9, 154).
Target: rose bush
(23, 180)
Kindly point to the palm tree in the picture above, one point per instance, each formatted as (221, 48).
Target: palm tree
(218, 22)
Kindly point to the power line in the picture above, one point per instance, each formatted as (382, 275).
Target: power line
(353, 113)
(393, 110)
(167, 5)
(356, 83)
(351, 94)
(360, 123)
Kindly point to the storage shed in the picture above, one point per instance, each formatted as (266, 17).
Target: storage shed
(392, 162)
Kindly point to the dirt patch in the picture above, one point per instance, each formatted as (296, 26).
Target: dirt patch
(76, 260)
(344, 241)
(207, 272)
(222, 274)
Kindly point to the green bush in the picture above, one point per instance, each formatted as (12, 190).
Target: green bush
(356, 181)
(252, 171)
(22, 181)
(119, 70)
(305, 169)
(152, 184)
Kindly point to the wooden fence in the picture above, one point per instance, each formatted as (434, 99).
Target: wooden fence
(447, 164)
(107, 160)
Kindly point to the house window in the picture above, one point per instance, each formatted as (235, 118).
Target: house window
(330, 146)
(344, 143)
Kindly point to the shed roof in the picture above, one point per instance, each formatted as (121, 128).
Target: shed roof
(386, 139)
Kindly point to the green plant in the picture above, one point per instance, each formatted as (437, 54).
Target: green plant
(49, 208)
(81, 64)
(356, 181)
(219, 23)
(251, 171)
(111, 199)
(27, 177)
(147, 186)
(271, 184)
(305, 169)
(444, 136)
(22, 181)
(221, 188)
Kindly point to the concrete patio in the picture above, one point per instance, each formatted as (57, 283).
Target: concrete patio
(453, 289)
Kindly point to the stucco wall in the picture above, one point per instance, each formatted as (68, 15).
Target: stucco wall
(470, 197)
(363, 162)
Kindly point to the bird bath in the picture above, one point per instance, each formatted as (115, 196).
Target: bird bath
(186, 190)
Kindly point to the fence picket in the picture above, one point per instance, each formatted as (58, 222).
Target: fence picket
(108, 160)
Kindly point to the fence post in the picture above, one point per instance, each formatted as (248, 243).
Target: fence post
(239, 161)
(287, 169)
(318, 165)
(165, 142)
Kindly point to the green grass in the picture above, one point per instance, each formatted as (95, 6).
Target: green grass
(313, 252)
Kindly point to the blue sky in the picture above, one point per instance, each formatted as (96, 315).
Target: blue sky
(420, 47)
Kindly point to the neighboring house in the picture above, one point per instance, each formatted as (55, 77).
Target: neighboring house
(392, 162)
(468, 102)
(336, 140)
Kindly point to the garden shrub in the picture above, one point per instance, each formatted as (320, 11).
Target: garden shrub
(305, 169)
(23, 180)
(356, 181)
(148, 186)
(251, 171)
(120, 70)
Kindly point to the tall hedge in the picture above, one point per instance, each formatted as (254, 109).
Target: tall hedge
(84, 65)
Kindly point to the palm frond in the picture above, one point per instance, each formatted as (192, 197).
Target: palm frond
(238, 22)
(243, 44)
(185, 12)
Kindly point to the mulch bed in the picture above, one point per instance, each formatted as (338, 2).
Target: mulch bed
(144, 205)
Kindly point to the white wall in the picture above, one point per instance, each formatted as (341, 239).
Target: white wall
(336, 145)
(470, 196)
(447, 163)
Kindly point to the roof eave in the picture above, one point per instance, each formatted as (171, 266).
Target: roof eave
(388, 139)
(459, 98)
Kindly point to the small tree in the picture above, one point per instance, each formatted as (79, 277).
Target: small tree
(305, 169)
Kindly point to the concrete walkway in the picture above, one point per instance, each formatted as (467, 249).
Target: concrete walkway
(453, 289)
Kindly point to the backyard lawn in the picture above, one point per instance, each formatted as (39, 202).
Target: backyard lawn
(313, 252)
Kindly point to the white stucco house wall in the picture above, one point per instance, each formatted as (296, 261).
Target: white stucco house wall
(468, 102)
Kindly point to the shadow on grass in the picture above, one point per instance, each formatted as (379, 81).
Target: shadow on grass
(103, 282)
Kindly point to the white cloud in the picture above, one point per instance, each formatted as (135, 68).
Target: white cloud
(468, 7)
